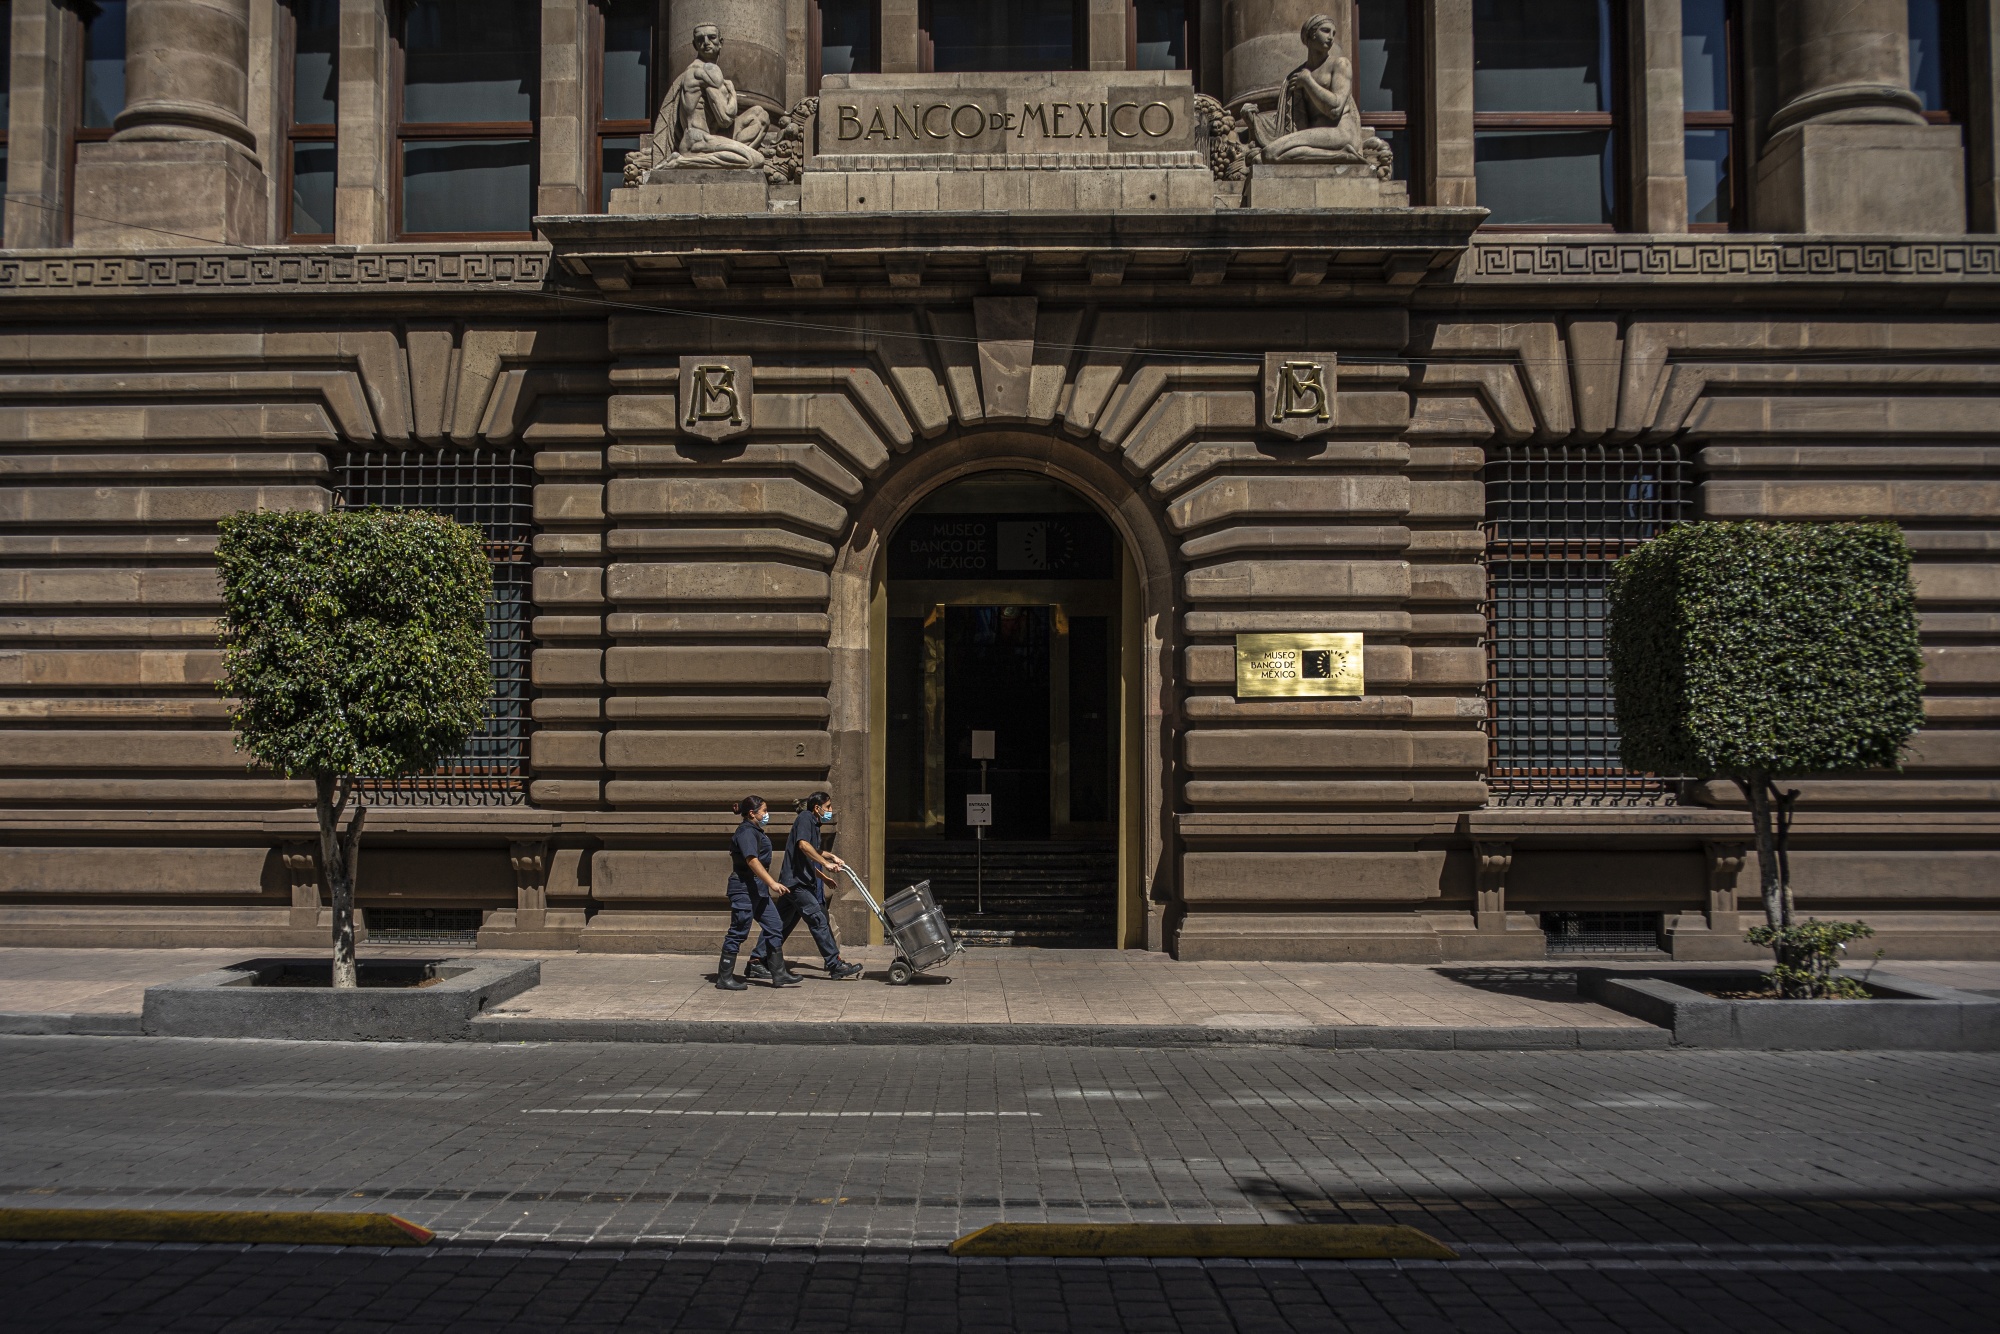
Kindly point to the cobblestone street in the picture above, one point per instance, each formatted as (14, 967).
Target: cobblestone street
(720, 1187)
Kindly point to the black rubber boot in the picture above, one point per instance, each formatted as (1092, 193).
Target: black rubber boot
(725, 975)
(782, 974)
(840, 971)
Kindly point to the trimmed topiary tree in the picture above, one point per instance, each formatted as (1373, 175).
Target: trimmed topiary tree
(1757, 652)
(354, 645)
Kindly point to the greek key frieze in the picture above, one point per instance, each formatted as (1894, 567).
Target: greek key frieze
(1730, 260)
(296, 268)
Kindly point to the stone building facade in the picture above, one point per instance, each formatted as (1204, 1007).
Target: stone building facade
(809, 473)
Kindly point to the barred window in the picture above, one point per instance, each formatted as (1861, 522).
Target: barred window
(1556, 517)
(494, 491)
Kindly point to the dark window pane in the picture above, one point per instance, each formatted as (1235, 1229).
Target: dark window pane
(1544, 176)
(312, 188)
(470, 60)
(1541, 55)
(1382, 70)
(1162, 34)
(316, 25)
(1927, 52)
(3, 166)
(614, 164)
(1708, 175)
(628, 59)
(1003, 34)
(467, 185)
(103, 64)
(848, 43)
(1705, 55)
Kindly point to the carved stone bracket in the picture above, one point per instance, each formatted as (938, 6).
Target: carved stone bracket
(1725, 864)
(1494, 860)
(531, 884)
(302, 872)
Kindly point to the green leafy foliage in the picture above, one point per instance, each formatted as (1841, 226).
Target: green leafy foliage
(1808, 952)
(1768, 649)
(355, 642)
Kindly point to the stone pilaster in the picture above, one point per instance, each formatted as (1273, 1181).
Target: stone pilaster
(566, 132)
(365, 152)
(1849, 151)
(43, 44)
(1659, 166)
(1982, 130)
(181, 168)
(1445, 165)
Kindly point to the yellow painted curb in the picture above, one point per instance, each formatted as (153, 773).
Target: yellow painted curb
(1207, 1241)
(287, 1228)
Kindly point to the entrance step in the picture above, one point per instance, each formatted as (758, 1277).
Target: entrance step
(1051, 895)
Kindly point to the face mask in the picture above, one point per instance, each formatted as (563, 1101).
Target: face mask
(826, 817)
(763, 819)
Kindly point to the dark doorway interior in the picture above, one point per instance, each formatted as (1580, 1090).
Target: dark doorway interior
(1003, 615)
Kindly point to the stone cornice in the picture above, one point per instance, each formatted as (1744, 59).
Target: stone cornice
(512, 267)
(1727, 259)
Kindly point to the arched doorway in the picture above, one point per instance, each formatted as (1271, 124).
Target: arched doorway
(1005, 676)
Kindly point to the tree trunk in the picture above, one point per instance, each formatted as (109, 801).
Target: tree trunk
(339, 860)
(1757, 787)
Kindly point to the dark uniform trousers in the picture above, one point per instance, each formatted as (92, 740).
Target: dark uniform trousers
(747, 904)
(808, 902)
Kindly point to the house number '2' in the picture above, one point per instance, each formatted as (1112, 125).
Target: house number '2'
(714, 398)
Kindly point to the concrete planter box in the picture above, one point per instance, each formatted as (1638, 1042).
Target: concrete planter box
(230, 1003)
(1908, 1016)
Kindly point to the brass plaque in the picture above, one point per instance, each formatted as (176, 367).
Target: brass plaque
(1311, 665)
(715, 397)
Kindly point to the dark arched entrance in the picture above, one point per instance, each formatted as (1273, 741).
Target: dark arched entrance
(1004, 680)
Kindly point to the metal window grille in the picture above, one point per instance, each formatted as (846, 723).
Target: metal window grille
(493, 490)
(1556, 518)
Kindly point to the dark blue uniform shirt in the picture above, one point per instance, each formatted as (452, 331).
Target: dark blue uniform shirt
(801, 871)
(748, 843)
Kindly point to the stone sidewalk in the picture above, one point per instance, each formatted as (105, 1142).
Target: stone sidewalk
(986, 996)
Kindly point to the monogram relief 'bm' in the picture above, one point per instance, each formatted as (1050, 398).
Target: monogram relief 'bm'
(715, 397)
(1298, 393)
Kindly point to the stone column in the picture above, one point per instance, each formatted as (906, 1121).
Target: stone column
(1849, 150)
(181, 168)
(1261, 45)
(566, 134)
(753, 44)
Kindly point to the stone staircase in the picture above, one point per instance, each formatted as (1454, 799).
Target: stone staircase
(1051, 895)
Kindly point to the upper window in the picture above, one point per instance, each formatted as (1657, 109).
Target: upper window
(1385, 68)
(979, 35)
(1937, 58)
(846, 38)
(1161, 34)
(103, 67)
(1544, 125)
(471, 71)
(309, 133)
(628, 91)
(1709, 130)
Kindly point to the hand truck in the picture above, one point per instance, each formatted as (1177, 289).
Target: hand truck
(915, 925)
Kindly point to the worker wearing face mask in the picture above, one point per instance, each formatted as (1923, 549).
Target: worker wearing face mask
(753, 896)
(806, 865)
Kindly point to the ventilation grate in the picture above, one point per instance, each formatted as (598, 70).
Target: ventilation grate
(1556, 518)
(495, 491)
(1601, 932)
(423, 926)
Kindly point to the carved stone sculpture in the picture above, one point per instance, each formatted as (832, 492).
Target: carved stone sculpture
(701, 124)
(1316, 119)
